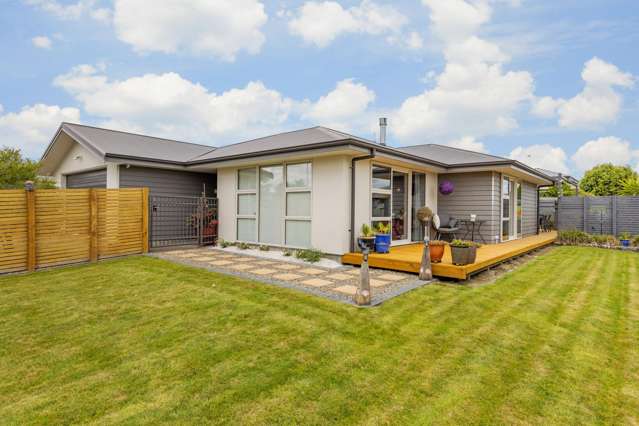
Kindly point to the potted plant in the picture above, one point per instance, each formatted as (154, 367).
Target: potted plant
(437, 248)
(463, 252)
(625, 238)
(366, 237)
(382, 238)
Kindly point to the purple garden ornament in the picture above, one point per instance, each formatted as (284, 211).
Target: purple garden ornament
(446, 187)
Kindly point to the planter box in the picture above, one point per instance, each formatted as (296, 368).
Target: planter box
(463, 255)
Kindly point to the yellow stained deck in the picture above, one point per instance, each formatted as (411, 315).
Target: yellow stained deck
(407, 258)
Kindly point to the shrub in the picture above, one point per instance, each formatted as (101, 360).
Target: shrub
(625, 236)
(244, 246)
(463, 243)
(437, 243)
(635, 241)
(264, 247)
(224, 244)
(366, 231)
(309, 255)
(574, 237)
(383, 228)
(287, 252)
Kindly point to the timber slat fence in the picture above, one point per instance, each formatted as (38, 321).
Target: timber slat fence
(599, 215)
(51, 227)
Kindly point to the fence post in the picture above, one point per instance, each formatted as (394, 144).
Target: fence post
(145, 220)
(614, 215)
(31, 226)
(585, 221)
(93, 225)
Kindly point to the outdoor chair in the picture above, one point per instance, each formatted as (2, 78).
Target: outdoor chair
(450, 229)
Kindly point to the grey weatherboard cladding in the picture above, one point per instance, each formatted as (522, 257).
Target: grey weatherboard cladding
(175, 183)
(92, 179)
(475, 193)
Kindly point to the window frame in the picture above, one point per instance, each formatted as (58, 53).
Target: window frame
(283, 207)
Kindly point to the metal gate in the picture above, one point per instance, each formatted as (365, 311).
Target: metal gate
(178, 221)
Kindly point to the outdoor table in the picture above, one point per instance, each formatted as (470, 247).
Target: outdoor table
(474, 228)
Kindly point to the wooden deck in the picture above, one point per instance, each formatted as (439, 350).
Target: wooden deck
(407, 258)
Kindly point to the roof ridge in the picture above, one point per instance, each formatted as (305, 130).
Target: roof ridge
(137, 134)
(341, 133)
(460, 149)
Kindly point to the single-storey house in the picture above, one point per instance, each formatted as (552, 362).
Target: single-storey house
(313, 187)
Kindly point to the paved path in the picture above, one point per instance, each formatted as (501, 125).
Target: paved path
(336, 284)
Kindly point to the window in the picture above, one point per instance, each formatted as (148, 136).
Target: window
(274, 204)
(247, 204)
(297, 220)
(381, 205)
(381, 178)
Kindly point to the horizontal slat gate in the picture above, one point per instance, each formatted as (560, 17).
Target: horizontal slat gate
(70, 226)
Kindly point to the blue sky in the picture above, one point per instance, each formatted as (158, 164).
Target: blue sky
(550, 83)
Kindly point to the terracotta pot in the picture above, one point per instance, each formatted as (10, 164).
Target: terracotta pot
(436, 252)
(463, 255)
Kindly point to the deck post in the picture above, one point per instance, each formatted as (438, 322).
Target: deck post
(426, 269)
(363, 294)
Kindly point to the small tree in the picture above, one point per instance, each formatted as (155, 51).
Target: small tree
(15, 170)
(606, 179)
(630, 186)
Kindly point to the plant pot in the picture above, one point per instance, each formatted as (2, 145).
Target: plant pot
(463, 255)
(368, 242)
(625, 243)
(382, 243)
(436, 252)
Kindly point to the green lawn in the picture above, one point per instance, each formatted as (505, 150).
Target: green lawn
(141, 340)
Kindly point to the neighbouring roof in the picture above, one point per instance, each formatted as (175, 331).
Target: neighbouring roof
(556, 176)
(452, 156)
(114, 143)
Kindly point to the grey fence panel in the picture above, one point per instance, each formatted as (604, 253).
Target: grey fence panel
(548, 207)
(599, 215)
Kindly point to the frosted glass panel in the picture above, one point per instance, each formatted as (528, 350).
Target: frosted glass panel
(246, 229)
(298, 233)
(271, 204)
(298, 204)
(298, 175)
(246, 178)
(246, 204)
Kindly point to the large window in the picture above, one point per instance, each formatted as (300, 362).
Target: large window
(297, 221)
(274, 204)
(246, 204)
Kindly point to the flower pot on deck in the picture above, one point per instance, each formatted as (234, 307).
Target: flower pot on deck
(463, 255)
(367, 242)
(436, 252)
(382, 243)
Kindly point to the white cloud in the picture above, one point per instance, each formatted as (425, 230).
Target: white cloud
(170, 105)
(72, 11)
(596, 105)
(544, 156)
(320, 23)
(345, 107)
(607, 149)
(469, 143)
(41, 42)
(473, 96)
(32, 127)
(221, 28)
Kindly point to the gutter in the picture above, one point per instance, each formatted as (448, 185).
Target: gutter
(353, 161)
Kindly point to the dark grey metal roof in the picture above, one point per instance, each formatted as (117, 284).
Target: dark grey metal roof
(452, 156)
(556, 176)
(294, 139)
(113, 143)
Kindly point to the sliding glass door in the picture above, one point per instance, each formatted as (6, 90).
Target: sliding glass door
(512, 209)
(271, 204)
(418, 192)
(400, 206)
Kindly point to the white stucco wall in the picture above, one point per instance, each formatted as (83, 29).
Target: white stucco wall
(77, 159)
(362, 195)
(226, 185)
(331, 204)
